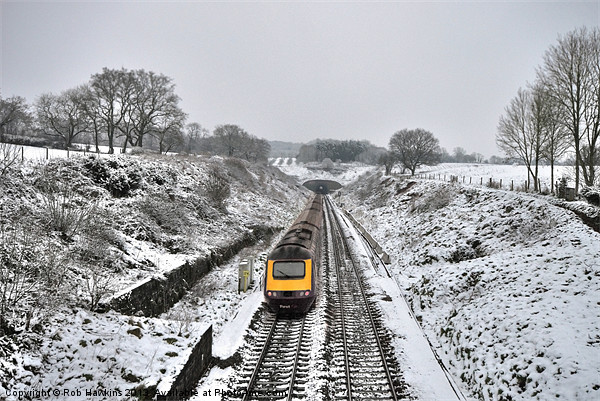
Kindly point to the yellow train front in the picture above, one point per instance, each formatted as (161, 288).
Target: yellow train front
(292, 277)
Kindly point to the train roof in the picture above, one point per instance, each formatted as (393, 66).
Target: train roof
(305, 229)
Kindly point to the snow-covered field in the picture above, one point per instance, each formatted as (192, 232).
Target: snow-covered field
(509, 174)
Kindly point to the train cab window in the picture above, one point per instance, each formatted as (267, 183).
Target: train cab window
(287, 270)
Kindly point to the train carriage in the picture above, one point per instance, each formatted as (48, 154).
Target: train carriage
(292, 278)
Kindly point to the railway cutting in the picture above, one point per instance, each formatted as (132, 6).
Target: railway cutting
(338, 350)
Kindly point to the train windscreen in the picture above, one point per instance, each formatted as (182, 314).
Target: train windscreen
(288, 270)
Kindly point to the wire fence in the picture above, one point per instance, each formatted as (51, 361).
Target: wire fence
(499, 183)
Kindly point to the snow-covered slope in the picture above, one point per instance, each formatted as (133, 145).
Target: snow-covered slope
(505, 284)
(122, 220)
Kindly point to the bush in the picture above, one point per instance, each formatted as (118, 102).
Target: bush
(167, 214)
(32, 275)
(217, 188)
(65, 211)
(120, 176)
(9, 155)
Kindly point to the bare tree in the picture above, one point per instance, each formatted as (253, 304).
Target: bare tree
(63, 116)
(192, 136)
(230, 139)
(91, 106)
(591, 150)
(557, 138)
(515, 135)
(388, 160)
(9, 156)
(477, 157)
(154, 106)
(112, 91)
(168, 129)
(571, 72)
(415, 148)
(459, 154)
(538, 120)
(256, 149)
(13, 113)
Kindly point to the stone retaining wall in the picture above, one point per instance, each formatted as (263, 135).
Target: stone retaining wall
(185, 383)
(158, 294)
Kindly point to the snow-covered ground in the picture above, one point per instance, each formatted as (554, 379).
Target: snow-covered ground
(162, 222)
(515, 174)
(504, 284)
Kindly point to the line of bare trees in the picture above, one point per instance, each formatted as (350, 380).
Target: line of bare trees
(227, 140)
(560, 111)
(125, 104)
(121, 107)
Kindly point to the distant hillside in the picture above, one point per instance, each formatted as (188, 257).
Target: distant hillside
(284, 149)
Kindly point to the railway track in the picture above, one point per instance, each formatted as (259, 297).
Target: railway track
(278, 366)
(365, 366)
(340, 350)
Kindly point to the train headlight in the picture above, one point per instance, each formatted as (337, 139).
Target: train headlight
(269, 293)
(306, 293)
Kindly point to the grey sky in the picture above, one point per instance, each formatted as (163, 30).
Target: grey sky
(300, 71)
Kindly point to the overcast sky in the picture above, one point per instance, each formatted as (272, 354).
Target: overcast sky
(301, 71)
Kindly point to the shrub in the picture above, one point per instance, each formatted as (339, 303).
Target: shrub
(32, 277)
(9, 155)
(120, 176)
(98, 283)
(217, 188)
(170, 215)
(64, 211)
(434, 200)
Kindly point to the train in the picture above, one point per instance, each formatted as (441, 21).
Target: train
(292, 276)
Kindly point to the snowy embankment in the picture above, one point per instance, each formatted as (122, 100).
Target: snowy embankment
(136, 216)
(505, 284)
